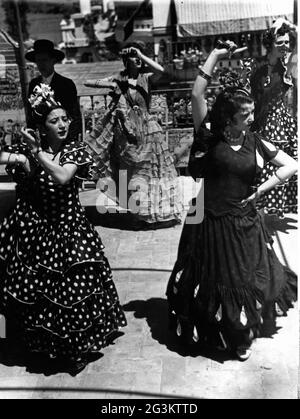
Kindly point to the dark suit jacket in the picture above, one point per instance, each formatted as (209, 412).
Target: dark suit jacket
(65, 92)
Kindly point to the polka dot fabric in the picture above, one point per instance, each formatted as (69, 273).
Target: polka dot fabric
(76, 153)
(281, 130)
(55, 279)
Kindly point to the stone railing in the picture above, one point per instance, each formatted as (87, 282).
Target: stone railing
(171, 107)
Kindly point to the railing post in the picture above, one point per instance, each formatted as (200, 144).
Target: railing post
(2, 327)
(83, 123)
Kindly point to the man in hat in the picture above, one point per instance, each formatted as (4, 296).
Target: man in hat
(45, 55)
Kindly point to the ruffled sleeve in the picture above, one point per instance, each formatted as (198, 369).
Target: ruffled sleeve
(76, 153)
(266, 149)
(264, 152)
(198, 161)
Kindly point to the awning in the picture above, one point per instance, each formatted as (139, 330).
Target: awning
(214, 17)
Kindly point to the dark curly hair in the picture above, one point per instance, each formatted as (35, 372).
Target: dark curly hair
(135, 44)
(227, 104)
(235, 92)
(269, 37)
(41, 117)
(40, 120)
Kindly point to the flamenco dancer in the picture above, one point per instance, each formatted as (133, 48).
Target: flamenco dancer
(56, 287)
(129, 140)
(227, 279)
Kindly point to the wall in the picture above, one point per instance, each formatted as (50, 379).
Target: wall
(45, 26)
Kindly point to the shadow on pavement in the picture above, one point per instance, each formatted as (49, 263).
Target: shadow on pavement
(275, 224)
(124, 221)
(15, 355)
(155, 311)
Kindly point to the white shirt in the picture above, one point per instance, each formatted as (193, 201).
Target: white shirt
(132, 82)
(47, 80)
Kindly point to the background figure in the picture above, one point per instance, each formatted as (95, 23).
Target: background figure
(130, 140)
(227, 279)
(271, 81)
(56, 287)
(46, 56)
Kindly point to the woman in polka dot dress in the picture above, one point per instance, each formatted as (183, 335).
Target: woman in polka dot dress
(56, 287)
(271, 83)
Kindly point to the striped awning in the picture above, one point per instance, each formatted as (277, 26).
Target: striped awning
(214, 17)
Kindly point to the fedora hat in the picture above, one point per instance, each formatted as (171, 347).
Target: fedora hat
(44, 45)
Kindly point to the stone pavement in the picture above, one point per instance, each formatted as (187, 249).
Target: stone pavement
(146, 361)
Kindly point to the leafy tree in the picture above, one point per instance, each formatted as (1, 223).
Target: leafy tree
(11, 18)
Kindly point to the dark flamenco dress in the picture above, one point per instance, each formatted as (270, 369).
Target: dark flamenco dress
(56, 285)
(227, 276)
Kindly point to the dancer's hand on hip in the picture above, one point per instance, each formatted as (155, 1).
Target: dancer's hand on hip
(253, 197)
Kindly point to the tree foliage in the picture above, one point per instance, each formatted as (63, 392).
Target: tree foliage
(9, 7)
(53, 8)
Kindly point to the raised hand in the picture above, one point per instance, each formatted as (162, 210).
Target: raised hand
(104, 84)
(32, 138)
(132, 51)
(135, 51)
(227, 49)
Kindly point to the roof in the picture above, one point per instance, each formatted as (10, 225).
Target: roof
(213, 17)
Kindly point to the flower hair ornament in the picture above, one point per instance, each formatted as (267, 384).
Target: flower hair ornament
(237, 81)
(42, 99)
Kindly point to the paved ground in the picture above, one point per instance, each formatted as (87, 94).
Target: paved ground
(146, 362)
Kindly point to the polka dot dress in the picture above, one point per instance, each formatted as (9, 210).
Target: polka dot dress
(280, 129)
(56, 283)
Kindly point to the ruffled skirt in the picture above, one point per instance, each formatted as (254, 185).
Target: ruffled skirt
(137, 157)
(226, 280)
(56, 287)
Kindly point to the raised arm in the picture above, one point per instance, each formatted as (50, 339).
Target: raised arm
(60, 174)
(199, 106)
(13, 158)
(106, 83)
(153, 65)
